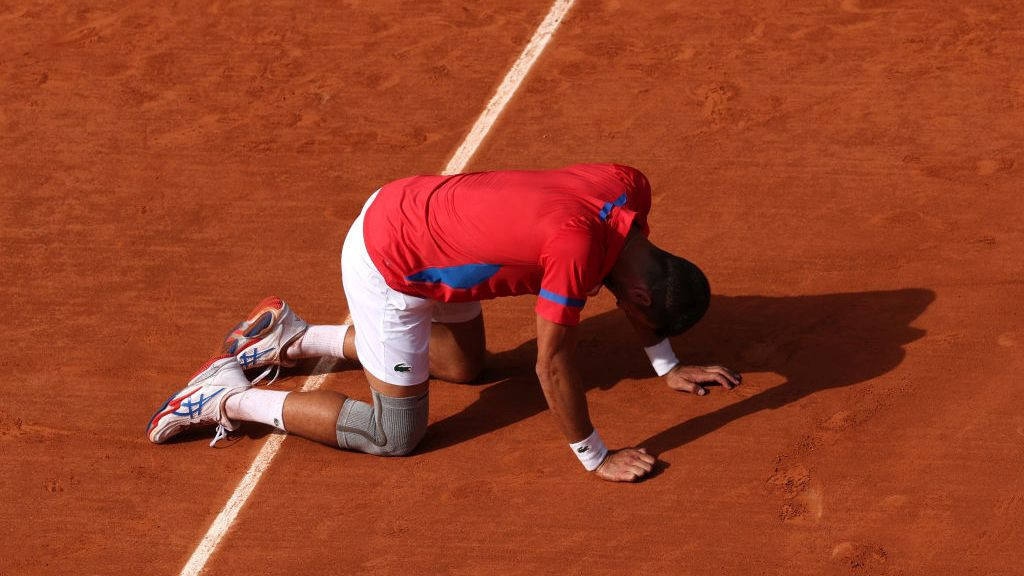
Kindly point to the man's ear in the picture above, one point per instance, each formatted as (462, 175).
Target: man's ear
(640, 296)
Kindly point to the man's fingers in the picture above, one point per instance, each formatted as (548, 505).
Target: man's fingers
(694, 388)
(638, 471)
(689, 386)
(642, 454)
(640, 458)
(733, 377)
(625, 474)
(627, 465)
(721, 379)
(646, 467)
(637, 457)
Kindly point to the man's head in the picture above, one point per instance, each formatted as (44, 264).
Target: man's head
(664, 293)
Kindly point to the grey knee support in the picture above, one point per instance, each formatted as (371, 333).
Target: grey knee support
(391, 427)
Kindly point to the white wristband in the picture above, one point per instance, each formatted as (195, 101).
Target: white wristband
(591, 451)
(662, 357)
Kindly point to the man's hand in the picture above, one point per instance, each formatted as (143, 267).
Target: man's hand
(690, 378)
(626, 465)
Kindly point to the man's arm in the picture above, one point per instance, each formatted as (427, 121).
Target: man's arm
(567, 399)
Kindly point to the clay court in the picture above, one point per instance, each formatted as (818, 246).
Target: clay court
(848, 173)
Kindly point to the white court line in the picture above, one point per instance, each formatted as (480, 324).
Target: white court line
(227, 515)
(509, 86)
(457, 164)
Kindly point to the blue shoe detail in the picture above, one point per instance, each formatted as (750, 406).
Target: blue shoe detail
(250, 357)
(196, 407)
(159, 410)
(261, 324)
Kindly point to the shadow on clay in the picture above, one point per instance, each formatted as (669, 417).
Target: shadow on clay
(251, 430)
(815, 342)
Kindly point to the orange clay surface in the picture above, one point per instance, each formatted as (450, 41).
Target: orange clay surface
(848, 173)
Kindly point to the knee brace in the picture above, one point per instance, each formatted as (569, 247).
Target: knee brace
(391, 427)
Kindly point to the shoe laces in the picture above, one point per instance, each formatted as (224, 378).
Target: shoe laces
(222, 430)
(272, 368)
(221, 434)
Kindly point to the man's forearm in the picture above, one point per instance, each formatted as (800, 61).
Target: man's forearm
(566, 397)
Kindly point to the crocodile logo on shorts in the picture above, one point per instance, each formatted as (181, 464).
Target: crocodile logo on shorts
(402, 367)
(583, 449)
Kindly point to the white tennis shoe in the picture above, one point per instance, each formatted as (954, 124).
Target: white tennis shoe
(259, 340)
(200, 403)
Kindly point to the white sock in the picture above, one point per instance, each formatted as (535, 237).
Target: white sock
(254, 405)
(320, 341)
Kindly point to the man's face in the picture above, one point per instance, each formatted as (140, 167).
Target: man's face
(635, 314)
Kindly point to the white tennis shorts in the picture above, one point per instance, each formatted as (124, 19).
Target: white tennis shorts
(392, 328)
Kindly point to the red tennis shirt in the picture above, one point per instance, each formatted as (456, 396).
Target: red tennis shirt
(476, 236)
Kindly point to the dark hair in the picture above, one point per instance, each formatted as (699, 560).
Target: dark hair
(679, 291)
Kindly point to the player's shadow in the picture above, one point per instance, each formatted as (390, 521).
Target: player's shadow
(815, 342)
(251, 430)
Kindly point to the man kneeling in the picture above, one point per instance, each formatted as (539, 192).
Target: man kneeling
(416, 263)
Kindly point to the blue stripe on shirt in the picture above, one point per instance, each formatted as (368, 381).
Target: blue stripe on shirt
(559, 299)
(459, 277)
(607, 209)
